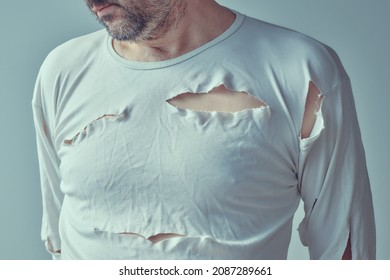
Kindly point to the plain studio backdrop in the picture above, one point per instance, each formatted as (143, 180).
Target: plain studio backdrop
(356, 29)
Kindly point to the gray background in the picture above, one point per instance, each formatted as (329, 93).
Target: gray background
(357, 30)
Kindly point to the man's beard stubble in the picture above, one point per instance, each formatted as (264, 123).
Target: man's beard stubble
(147, 21)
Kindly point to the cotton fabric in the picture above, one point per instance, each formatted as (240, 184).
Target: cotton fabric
(116, 157)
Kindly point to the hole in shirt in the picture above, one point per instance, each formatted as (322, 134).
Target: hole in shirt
(312, 107)
(220, 99)
(155, 238)
(70, 142)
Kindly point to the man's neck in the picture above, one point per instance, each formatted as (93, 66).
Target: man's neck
(200, 25)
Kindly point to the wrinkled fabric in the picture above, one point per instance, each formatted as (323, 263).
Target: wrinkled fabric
(116, 157)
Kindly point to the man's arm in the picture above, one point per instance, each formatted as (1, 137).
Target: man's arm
(333, 177)
(348, 251)
(312, 106)
(50, 179)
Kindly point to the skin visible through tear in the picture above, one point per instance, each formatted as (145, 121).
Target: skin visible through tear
(219, 99)
(105, 116)
(312, 106)
(155, 238)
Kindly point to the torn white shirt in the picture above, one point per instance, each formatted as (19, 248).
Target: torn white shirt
(116, 157)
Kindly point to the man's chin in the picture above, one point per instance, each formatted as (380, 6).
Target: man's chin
(122, 36)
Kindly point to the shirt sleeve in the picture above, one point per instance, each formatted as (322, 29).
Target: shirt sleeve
(50, 179)
(334, 183)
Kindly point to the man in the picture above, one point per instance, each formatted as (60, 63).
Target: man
(192, 132)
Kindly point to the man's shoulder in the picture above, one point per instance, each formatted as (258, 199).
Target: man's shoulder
(81, 44)
(293, 50)
(283, 39)
(75, 51)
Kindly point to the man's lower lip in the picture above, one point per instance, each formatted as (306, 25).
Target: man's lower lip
(106, 10)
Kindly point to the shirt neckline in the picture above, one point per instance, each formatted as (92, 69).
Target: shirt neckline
(140, 65)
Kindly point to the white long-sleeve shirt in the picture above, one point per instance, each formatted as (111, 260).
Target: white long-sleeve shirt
(116, 157)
